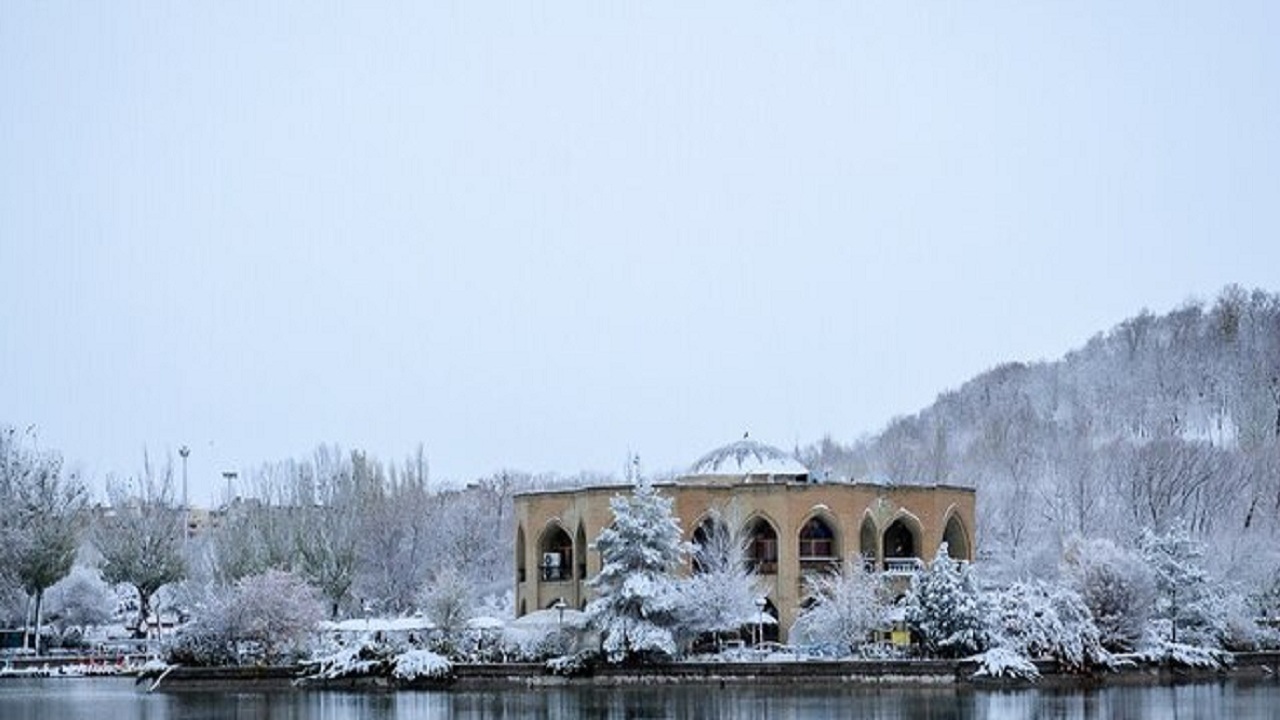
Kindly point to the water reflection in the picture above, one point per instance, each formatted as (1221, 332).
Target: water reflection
(114, 698)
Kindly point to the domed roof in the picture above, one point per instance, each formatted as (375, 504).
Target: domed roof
(747, 457)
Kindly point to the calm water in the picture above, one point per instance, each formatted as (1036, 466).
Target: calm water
(117, 699)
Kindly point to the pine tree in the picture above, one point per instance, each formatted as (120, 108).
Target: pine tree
(1187, 608)
(636, 602)
(945, 609)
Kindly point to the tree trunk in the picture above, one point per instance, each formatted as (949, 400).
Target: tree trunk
(144, 610)
(39, 609)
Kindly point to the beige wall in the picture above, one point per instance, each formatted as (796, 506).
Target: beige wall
(787, 506)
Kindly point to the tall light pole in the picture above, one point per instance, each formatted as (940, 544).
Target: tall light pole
(229, 476)
(184, 452)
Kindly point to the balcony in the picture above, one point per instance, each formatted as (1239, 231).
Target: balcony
(816, 565)
(903, 566)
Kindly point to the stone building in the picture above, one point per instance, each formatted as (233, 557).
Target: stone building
(797, 526)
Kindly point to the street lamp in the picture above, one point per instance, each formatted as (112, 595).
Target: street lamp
(760, 603)
(184, 452)
(559, 607)
(230, 476)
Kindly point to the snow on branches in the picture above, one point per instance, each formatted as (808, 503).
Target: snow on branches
(945, 609)
(637, 597)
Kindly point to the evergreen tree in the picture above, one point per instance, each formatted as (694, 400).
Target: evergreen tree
(945, 610)
(636, 602)
(1187, 608)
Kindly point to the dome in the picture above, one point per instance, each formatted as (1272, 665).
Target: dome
(748, 457)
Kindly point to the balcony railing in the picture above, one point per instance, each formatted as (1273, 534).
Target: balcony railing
(903, 566)
(819, 564)
(765, 567)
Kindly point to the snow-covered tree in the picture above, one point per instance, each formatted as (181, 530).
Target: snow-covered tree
(1187, 609)
(140, 537)
(844, 610)
(1117, 587)
(277, 610)
(268, 617)
(43, 516)
(1041, 620)
(720, 596)
(448, 603)
(945, 609)
(636, 602)
(80, 599)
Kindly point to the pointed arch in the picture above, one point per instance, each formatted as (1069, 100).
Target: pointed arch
(956, 536)
(706, 538)
(762, 551)
(555, 553)
(521, 555)
(901, 542)
(869, 541)
(580, 550)
(819, 543)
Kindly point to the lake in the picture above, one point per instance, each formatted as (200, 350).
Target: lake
(118, 699)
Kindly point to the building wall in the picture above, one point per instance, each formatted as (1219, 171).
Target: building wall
(583, 513)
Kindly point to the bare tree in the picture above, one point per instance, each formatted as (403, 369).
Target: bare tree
(140, 536)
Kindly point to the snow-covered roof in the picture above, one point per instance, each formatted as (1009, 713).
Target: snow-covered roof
(747, 457)
(399, 624)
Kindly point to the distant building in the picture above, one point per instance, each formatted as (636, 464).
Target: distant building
(798, 526)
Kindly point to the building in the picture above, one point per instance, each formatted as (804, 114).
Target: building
(797, 525)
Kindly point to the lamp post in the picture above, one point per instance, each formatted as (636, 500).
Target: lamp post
(559, 607)
(760, 603)
(184, 452)
(229, 476)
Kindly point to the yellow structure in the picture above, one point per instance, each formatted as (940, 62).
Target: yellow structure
(798, 526)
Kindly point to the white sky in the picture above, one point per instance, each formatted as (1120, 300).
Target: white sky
(539, 235)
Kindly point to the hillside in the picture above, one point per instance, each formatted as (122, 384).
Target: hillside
(1164, 419)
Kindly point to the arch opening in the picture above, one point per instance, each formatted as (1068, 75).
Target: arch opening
(957, 540)
(818, 551)
(901, 547)
(867, 545)
(555, 555)
(762, 551)
(580, 546)
(520, 555)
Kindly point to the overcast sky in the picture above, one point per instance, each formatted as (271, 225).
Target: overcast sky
(540, 235)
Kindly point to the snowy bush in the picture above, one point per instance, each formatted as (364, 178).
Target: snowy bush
(1038, 620)
(1117, 587)
(1002, 662)
(845, 609)
(264, 618)
(575, 664)
(447, 603)
(357, 660)
(636, 602)
(1172, 653)
(945, 609)
(79, 599)
(415, 664)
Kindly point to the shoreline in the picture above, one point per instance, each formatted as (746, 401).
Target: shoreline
(1258, 666)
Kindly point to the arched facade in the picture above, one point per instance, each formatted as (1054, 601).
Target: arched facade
(795, 526)
(956, 537)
